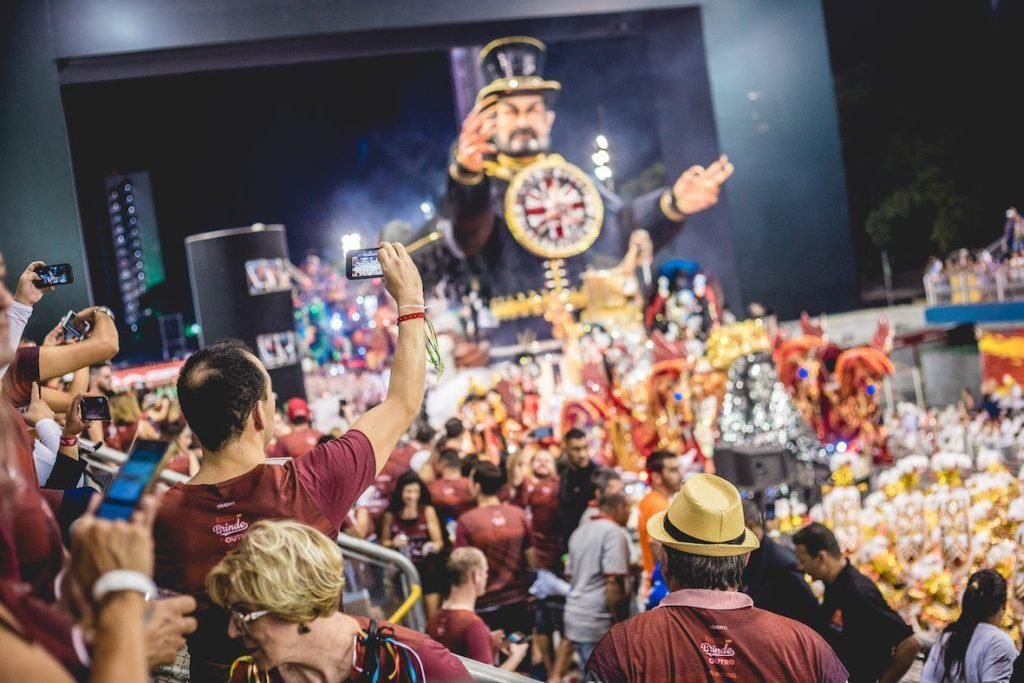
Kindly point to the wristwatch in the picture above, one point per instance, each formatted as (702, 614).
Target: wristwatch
(104, 309)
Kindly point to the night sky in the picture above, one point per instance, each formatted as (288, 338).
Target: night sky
(929, 90)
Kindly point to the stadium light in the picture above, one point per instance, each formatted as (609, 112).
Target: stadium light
(351, 242)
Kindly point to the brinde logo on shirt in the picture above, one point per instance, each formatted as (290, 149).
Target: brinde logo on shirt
(718, 653)
(230, 530)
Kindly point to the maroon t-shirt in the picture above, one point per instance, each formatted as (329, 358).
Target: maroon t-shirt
(299, 441)
(198, 523)
(540, 500)
(120, 437)
(432, 663)
(503, 534)
(463, 632)
(397, 465)
(705, 635)
(36, 534)
(46, 626)
(384, 484)
(17, 381)
(451, 498)
(416, 530)
(35, 531)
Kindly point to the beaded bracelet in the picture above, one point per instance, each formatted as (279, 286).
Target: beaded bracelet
(433, 350)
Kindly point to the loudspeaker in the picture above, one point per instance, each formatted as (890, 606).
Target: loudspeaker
(241, 290)
(751, 467)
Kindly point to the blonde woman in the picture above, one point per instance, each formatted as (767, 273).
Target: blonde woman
(282, 585)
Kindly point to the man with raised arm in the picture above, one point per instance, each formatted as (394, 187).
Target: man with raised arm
(226, 397)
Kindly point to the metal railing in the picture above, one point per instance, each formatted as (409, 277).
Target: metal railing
(482, 673)
(109, 460)
(995, 284)
(381, 583)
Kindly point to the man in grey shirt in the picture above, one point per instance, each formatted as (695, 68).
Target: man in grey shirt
(598, 568)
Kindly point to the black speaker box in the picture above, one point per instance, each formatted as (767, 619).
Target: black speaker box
(750, 467)
(225, 308)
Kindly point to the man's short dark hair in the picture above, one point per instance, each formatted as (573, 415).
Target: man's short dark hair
(488, 477)
(574, 434)
(602, 476)
(610, 501)
(99, 366)
(656, 461)
(218, 388)
(454, 428)
(424, 433)
(701, 571)
(449, 458)
(816, 537)
(469, 464)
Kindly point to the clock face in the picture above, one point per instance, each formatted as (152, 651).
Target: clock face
(553, 208)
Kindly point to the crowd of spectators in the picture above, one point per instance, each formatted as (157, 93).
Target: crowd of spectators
(536, 557)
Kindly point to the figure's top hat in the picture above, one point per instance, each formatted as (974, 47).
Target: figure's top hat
(515, 65)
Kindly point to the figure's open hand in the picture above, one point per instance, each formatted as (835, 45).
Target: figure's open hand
(475, 138)
(698, 187)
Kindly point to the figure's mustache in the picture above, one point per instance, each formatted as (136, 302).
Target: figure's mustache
(525, 132)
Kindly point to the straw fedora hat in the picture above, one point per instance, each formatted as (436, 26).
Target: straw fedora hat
(705, 518)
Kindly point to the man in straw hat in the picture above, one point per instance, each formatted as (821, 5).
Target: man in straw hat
(705, 629)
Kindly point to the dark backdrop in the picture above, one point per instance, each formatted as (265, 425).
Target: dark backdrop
(767, 68)
(329, 148)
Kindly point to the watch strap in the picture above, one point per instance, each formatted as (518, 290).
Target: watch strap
(670, 208)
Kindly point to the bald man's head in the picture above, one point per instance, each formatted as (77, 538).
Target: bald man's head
(219, 388)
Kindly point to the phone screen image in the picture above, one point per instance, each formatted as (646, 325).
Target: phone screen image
(543, 432)
(65, 324)
(363, 264)
(74, 327)
(95, 408)
(133, 479)
(57, 274)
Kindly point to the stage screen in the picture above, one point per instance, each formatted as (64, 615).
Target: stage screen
(362, 145)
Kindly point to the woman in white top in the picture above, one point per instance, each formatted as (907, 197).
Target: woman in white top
(973, 649)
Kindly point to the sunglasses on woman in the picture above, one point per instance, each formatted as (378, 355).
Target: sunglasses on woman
(243, 616)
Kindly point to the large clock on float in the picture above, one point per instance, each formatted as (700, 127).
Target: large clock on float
(553, 208)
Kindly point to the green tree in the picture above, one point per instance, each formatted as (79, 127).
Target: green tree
(924, 199)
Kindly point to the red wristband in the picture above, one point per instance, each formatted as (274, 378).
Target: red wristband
(411, 316)
(68, 441)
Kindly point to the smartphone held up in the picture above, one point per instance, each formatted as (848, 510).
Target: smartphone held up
(363, 264)
(95, 408)
(146, 459)
(75, 328)
(54, 275)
